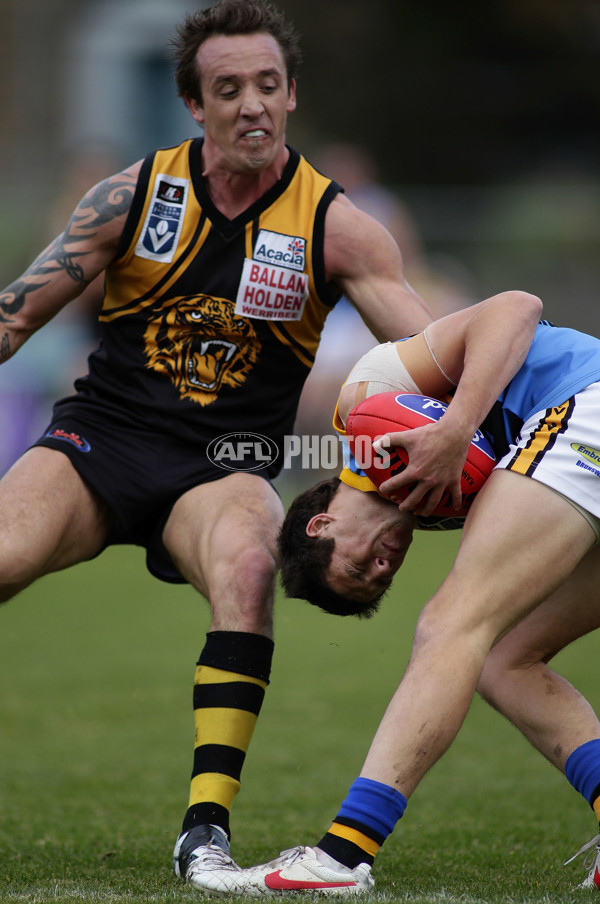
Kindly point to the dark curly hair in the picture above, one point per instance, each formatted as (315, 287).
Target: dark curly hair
(304, 560)
(229, 17)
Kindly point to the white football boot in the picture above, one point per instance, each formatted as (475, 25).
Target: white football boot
(591, 863)
(202, 858)
(306, 869)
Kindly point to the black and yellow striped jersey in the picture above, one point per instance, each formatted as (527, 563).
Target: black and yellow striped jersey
(207, 323)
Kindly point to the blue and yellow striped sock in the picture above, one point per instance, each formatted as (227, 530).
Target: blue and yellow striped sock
(229, 686)
(583, 771)
(366, 818)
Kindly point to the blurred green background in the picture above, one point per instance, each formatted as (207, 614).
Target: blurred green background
(480, 122)
(483, 116)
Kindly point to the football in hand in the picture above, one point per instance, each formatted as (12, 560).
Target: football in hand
(391, 412)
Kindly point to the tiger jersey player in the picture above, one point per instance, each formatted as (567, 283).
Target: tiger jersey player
(207, 324)
(225, 314)
(222, 257)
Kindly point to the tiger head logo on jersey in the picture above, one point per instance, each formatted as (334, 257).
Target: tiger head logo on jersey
(201, 345)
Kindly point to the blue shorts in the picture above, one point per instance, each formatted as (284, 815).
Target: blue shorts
(139, 473)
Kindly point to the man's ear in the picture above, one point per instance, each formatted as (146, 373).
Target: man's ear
(291, 104)
(318, 524)
(195, 108)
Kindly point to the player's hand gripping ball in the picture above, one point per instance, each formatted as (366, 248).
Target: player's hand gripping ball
(391, 412)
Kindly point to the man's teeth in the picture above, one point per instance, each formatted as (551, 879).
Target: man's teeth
(256, 133)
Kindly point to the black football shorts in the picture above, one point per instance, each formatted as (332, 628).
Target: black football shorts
(138, 473)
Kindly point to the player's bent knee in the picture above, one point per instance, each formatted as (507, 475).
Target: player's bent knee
(17, 568)
(255, 570)
(449, 631)
(506, 664)
(14, 577)
(489, 684)
(242, 591)
(8, 591)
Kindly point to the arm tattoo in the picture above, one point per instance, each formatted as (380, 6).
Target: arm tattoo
(105, 202)
(51, 260)
(12, 300)
(4, 348)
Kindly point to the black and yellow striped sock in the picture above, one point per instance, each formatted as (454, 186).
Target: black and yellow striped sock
(229, 686)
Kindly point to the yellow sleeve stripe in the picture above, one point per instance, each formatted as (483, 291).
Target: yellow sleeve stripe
(357, 481)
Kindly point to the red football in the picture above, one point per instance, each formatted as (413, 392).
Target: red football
(389, 412)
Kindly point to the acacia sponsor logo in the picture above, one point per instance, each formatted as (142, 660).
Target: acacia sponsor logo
(277, 248)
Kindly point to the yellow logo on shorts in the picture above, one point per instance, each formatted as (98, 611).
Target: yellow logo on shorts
(592, 455)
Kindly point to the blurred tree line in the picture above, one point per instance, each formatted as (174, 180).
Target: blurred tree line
(483, 116)
(440, 93)
(454, 93)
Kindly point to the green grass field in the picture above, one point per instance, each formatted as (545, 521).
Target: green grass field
(96, 725)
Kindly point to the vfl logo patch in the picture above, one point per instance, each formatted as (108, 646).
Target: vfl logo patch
(279, 249)
(78, 441)
(591, 455)
(164, 220)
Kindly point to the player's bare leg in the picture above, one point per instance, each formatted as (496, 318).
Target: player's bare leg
(517, 681)
(547, 709)
(222, 537)
(521, 542)
(49, 519)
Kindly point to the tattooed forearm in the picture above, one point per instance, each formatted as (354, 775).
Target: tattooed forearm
(4, 348)
(58, 258)
(50, 261)
(13, 299)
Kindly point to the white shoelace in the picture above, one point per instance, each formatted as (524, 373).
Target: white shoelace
(286, 858)
(586, 847)
(211, 856)
(292, 854)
